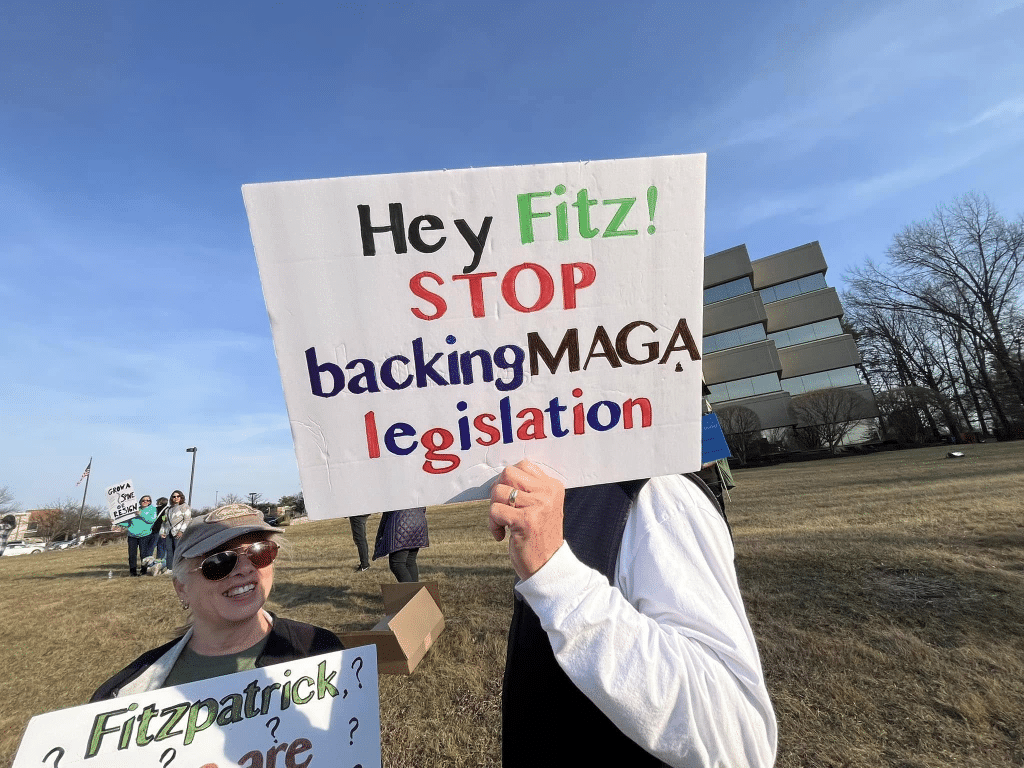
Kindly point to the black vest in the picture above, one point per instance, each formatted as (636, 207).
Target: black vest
(541, 707)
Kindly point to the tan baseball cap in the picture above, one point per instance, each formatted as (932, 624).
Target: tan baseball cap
(207, 532)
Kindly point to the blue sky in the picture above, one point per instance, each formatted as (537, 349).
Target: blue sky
(133, 323)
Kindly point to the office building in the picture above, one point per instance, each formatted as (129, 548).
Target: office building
(772, 331)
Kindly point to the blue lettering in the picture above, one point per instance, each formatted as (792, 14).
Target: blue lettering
(315, 385)
(396, 430)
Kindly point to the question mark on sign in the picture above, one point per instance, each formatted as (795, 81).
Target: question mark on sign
(273, 730)
(352, 732)
(170, 753)
(360, 660)
(56, 760)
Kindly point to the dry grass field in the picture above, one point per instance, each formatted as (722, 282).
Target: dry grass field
(886, 592)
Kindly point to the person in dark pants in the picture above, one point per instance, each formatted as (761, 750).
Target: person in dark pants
(160, 548)
(140, 535)
(400, 535)
(8, 524)
(358, 523)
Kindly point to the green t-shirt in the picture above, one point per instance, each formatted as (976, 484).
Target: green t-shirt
(192, 666)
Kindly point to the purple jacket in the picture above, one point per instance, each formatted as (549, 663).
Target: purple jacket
(401, 529)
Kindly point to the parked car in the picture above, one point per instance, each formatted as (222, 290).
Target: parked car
(104, 537)
(63, 544)
(23, 548)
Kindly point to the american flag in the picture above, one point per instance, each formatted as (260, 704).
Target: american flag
(84, 474)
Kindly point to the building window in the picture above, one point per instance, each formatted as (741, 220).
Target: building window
(727, 290)
(837, 377)
(782, 291)
(822, 329)
(754, 385)
(735, 338)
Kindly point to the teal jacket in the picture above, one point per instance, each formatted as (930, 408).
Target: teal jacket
(142, 524)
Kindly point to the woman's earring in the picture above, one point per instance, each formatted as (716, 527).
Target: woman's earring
(184, 604)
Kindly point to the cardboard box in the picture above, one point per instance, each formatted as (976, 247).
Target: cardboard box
(412, 622)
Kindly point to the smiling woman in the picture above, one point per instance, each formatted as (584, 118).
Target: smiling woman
(223, 571)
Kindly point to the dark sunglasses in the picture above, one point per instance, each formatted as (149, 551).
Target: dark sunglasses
(219, 565)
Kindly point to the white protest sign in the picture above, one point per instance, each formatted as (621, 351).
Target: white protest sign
(323, 710)
(121, 501)
(432, 328)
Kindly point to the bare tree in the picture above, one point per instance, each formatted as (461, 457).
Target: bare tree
(7, 502)
(909, 414)
(964, 265)
(59, 519)
(830, 413)
(782, 437)
(231, 498)
(742, 428)
(808, 438)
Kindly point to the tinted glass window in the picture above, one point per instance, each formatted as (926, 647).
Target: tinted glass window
(727, 290)
(753, 385)
(838, 377)
(822, 329)
(792, 288)
(734, 338)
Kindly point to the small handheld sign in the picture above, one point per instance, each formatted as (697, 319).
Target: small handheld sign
(121, 501)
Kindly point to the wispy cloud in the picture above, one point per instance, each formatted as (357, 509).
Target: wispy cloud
(1006, 110)
(835, 201)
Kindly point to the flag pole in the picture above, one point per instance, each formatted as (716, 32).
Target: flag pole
(81, 512)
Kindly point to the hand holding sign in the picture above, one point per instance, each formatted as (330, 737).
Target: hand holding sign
(529, 503)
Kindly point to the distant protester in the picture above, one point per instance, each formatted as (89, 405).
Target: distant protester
(176, 519)
(400, 535)
(141, 535)
(358, 525)
(7, 524)
(223, 572)
(160, 552)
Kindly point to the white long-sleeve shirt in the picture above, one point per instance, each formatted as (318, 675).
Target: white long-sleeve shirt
(667, 653)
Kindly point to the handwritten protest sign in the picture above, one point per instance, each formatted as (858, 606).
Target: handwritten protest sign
(121, 501)
(324, 710)
(432, 328)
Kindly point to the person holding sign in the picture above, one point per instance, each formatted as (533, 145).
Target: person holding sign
(223, 571)
(141, 536)
(8, 524)
(629, 616)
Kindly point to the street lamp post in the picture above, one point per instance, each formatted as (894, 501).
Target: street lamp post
(193, 475)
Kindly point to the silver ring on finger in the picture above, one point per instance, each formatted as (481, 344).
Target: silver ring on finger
(512, 497)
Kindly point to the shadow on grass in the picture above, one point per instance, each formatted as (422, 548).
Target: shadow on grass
(944, 604)
(90, 572)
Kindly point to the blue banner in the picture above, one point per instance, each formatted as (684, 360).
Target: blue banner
(713, 445)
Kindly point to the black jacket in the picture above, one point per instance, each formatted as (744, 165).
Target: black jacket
(288, 640)
(538, 700)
